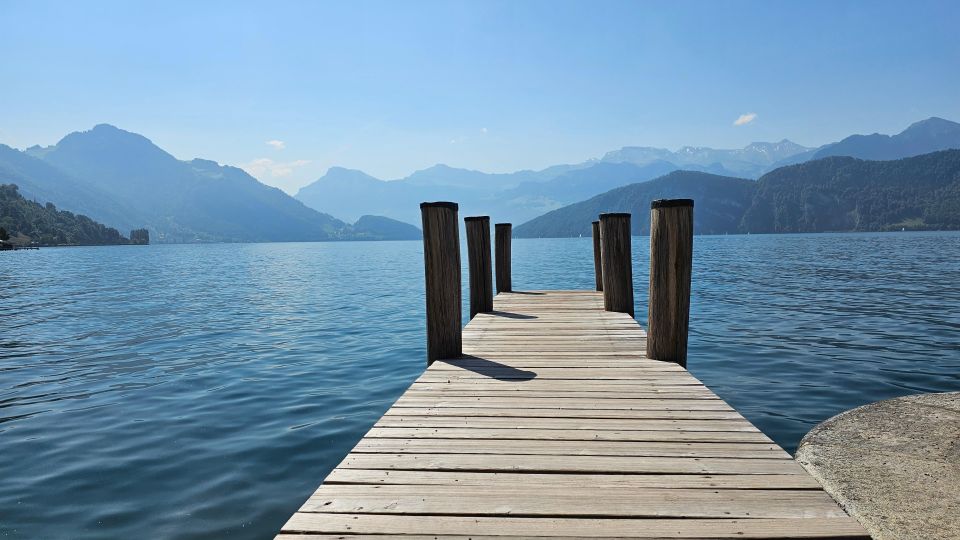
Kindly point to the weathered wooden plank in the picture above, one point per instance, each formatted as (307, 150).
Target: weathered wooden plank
(593, 424)
(650, 414)
(572, 480)
(587, 401)
(548, 463)
(360, 523)
(567, 435)
(579, 502)
(570, 448)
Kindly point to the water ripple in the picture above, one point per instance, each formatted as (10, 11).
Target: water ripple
(204, 391)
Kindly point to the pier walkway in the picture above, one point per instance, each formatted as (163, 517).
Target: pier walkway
(555, 424)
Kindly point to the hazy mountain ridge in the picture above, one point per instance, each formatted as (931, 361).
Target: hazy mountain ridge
(720, 204)
(750, 160)
(136, 183)
(124, 180)
(921, 137)
(41, 181)
(521, 196)
(830, 194)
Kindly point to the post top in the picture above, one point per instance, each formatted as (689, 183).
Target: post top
(439, 204)
(504, 224)
(477, 218)
(671, 203)
(595, 222)
(614, 214)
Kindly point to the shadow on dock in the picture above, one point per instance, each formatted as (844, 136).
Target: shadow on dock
(509, 315)
(489, 368)
(527, 292)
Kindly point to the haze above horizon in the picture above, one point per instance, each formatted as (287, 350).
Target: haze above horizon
(287, 91)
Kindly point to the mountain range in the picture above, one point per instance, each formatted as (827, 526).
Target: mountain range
(523, 195)
(834, 193)
(123, 180)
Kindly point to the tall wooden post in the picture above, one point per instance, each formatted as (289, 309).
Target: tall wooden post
(597, 265)
(671, 263)
(441, 262)
(481, 273)
(617, 265)
(503, 232)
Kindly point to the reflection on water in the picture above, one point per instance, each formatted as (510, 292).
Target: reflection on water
(198, 391)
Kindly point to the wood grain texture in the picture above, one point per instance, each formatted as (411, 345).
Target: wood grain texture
(617, 263)
(441, 262)
(597, 265)
(481, 271)
(503, 234)
(671, 263)
(554, 424)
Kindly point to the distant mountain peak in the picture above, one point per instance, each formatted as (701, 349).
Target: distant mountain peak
(337, 174)
(933, 126)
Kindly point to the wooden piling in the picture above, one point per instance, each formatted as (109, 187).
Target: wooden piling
(441, 261)
(503, 233)
(597, 265)
(671, 262)
(616, 263)
(478, 255)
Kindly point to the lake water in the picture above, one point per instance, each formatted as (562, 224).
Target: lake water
(200, 391)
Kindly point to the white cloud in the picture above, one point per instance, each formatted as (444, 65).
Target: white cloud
(279, 145)
(263, 167)
(483, 130)
(744, 119)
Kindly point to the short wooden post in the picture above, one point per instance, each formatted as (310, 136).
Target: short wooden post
(441, 262)
(503, 232)
(597, 266)
(671, 263)
(616, 262)
(481, 272)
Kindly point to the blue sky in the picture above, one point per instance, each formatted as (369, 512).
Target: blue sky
(288, 89)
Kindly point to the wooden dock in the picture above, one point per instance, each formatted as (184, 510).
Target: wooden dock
(553, 415)
(554, 424)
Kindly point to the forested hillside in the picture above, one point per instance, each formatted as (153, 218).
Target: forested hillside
(720, 203)
(848, 194)
(26, 221)
(830, 194)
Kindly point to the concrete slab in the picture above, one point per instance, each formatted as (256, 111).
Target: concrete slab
(894, 465)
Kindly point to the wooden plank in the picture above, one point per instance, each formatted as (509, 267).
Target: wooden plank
(567, 435)
(561, 401)
(593, 464)
(592, 424)
(573, 480)
(656, 413)
(359, 523)
(570, 397)
(581, 502)
(570, 448)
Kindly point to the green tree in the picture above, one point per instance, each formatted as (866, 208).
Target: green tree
(4, 235)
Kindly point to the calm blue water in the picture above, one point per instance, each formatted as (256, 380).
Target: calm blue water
(205, 390)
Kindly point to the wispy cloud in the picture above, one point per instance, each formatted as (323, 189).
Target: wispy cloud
(263, 167)
(483, 130)
(279, 145)
(745, 119)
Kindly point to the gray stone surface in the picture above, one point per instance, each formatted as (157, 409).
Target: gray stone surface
(894, 465)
